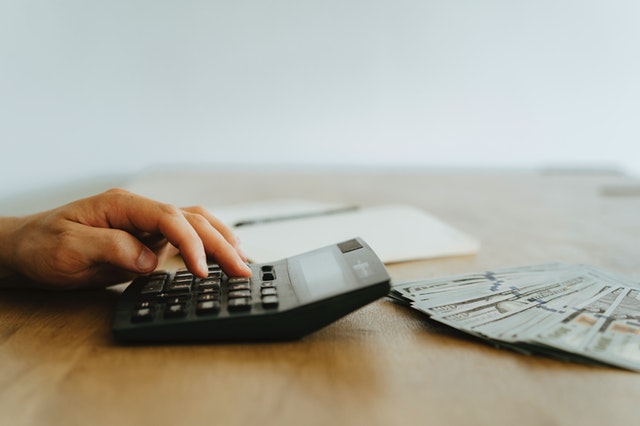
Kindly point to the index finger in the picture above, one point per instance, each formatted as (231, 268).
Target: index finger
(219, 225)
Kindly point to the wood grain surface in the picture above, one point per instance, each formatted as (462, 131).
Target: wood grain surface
(381, 365)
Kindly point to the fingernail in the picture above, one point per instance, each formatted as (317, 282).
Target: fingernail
(246, 268)
(146, 261)
(204, 265)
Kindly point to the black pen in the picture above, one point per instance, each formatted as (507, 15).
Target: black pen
(283, 218)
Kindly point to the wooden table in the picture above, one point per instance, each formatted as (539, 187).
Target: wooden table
(382, 365)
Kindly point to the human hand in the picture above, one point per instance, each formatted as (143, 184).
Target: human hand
(108, 239)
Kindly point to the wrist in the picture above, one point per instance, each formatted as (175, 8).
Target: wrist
(8, 230)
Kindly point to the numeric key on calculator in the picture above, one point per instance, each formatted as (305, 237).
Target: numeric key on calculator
(239, 294)
(209, 283)
(143, 311)
(154, 285)
(175, 310)
(208, 306)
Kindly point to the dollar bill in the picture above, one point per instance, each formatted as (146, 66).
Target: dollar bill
(574, 331)
(617, 340)
(480, 318)
(493, 281)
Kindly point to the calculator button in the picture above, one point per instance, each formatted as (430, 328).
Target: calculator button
(205, 297)
(239, 286)
(270, 301)
(175, 300)
(238, 280)
(209, 282)
(215, 274)
(211, 285)
(267, 268)
(153, 286)
(179, 287)
(268, 276)
(142, 314)
(160, 275)
(239, 293)
(239, 304)
(161, 297)
(211, 291)
(269, 291)
(175, 310)
(350, 245)
(208, 307)
(267, 284)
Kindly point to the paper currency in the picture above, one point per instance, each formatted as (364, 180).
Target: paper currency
(572, 312)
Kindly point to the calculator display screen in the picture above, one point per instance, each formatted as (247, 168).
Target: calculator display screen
(323, 274)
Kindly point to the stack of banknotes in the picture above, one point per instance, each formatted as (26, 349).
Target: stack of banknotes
(572, 312)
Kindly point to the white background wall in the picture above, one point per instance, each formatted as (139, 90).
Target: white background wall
(91, 88)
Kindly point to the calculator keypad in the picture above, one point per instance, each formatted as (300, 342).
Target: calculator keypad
(182, 294)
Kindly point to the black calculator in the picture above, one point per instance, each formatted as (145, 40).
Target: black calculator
(283, 300)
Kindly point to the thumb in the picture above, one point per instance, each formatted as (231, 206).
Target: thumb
(121, 249)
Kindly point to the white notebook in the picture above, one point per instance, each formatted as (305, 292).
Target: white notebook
(397, 233)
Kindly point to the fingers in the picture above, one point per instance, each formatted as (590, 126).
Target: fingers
(194, 231)
(220, 227)
(223, 229)
(223, 248)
